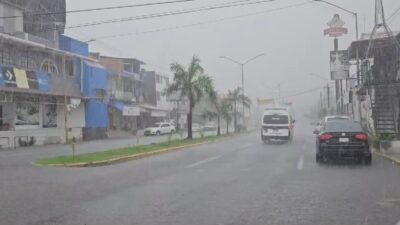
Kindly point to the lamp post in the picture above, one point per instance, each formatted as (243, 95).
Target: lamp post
(242, 64)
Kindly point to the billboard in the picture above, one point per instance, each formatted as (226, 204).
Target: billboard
(340, 66)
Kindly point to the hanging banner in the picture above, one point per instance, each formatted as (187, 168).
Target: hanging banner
(43, 81)
(9, 77)
(32, 80)
(340, 66)
(20, 78)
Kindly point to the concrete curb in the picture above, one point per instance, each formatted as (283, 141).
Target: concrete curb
(388, 157)
(131, 157)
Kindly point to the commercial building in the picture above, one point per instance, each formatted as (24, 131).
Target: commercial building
(124, 92)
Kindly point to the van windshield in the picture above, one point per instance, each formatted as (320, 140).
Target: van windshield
(276, 119)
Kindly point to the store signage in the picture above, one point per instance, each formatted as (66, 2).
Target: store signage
(158, 114)
(265, 101)
(340, 66)
(130, 111)
(336, 27)
(19, 78)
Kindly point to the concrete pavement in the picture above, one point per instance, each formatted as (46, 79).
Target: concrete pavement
(235, 181)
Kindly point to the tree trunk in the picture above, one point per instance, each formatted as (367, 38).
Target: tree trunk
(189, 123)
(227, 127)
(219, 125)
(235, 117)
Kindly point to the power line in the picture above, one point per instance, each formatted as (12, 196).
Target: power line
(99, 9)
(164, 14)
(393, 14)
(304, 92)
(200, 23)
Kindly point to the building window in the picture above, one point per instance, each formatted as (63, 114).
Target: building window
(128, 67)
(49, 67)
(69, 67)
(158, 96)
(49, 113)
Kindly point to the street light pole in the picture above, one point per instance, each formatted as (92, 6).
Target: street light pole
(242, 69)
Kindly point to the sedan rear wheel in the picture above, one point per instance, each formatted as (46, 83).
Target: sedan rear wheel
(158, 133)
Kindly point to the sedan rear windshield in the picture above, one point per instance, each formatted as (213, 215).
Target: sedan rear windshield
(276, 119)
(341, 126)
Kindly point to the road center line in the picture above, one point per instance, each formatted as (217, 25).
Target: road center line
(199, 163)
(300, 163)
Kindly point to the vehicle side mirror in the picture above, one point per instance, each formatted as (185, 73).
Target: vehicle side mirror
(316, 132)
(294, 121)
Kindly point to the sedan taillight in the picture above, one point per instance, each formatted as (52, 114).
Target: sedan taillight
(325, 137)
(361, 136)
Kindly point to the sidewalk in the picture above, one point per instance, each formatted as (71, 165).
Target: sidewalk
(394, 157)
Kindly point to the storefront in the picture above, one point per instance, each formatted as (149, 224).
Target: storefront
(123, 116)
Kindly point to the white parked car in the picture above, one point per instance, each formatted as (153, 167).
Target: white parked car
(210, 126)
(160, 128)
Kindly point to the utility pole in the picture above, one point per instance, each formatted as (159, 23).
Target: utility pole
(328, 97)
(65, 103)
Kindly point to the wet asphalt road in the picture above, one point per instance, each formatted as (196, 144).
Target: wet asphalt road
(235, 181)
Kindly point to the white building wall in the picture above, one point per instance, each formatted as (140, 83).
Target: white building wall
(44, 136)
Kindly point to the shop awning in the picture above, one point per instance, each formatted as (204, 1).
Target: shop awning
(127, 110)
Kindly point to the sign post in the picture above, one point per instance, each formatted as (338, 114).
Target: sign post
(335, 30)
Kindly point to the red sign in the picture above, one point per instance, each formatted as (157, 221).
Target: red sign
(336, 28)
(335, 31)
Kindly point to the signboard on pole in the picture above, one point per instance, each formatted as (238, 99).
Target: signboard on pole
(130, 111)
(340, 66)
(336, 28)
(265, 101)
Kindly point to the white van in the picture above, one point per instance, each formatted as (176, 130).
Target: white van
(277, 124)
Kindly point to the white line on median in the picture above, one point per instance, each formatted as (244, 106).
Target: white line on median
(300, 163)
(203, 162)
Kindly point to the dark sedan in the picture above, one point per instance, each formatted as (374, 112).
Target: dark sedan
(341, 140)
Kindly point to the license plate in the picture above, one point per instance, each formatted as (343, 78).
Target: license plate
(343, 140)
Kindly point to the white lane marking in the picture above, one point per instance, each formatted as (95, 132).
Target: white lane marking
(199, 163)
(300, 163)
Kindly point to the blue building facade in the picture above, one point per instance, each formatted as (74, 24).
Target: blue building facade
(96, 110)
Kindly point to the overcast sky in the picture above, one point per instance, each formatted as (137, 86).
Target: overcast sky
(291, 38)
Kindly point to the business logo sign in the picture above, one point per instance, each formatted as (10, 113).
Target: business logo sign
(19, 78)
(130, 111)
(340, 66)
(336, 27)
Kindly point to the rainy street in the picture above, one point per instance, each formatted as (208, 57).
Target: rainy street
(233, 181)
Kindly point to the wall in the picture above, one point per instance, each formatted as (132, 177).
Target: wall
(149, 87)
(72, 45)
(11, 25)
(96, 109)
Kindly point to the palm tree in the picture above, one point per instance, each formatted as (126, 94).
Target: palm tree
(226, 112)
(192, 83)
(236, 96)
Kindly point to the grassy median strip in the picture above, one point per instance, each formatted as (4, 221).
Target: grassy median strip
(117, 155)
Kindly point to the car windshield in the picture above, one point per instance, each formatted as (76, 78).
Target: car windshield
(276, 119)
(341, 126)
